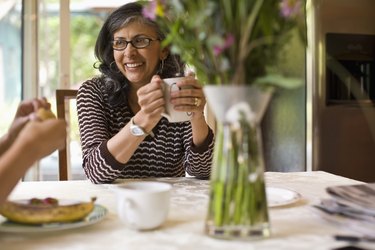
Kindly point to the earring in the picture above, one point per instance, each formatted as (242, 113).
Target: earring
(114, 68)
(161, 67)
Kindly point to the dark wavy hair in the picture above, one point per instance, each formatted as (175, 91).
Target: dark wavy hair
(115, 82)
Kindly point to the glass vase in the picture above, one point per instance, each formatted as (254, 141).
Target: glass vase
(238, 204)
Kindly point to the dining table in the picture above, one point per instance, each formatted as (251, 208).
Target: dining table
(294, 225)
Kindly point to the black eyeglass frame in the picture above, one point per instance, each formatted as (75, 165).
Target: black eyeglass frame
(149, 40)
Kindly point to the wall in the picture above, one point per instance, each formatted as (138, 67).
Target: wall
(342, 139)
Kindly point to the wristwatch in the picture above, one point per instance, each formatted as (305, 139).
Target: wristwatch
(136, 130)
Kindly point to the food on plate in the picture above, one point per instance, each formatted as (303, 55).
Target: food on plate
(48, 210)
(45, 114)
(46, 201)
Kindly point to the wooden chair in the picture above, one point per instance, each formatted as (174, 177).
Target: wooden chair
(62, 96)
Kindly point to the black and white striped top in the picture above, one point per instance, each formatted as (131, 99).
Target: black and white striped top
(170, 153)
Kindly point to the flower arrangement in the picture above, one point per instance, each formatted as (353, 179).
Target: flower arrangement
(233, 42)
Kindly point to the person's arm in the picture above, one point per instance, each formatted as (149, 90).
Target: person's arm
(13, 165)
(4, 143)
(95, 131)
(200, 129)
(35, 141)
(151, 105)
(200, 156)
(200, 143)
(191, 99)
(104, 154)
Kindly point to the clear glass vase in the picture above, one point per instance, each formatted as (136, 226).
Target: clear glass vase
(238, 203)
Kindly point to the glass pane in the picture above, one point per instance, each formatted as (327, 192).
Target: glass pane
(86, 19)
(10, 61)
(48, 55)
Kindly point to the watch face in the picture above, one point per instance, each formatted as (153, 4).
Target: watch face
(137, 131)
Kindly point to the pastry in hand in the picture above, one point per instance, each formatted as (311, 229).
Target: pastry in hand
(45, 114)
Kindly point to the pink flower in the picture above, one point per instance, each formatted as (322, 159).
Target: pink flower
(290, 8)
(153, 9)
(229, 40)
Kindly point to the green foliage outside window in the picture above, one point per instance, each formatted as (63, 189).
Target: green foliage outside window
(84, 28)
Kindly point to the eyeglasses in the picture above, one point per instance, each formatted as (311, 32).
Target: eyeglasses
(137, 42)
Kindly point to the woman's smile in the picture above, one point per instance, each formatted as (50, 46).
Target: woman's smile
(133, 65)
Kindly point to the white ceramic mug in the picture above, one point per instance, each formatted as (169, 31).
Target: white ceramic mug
(143, 205)
(170, 85)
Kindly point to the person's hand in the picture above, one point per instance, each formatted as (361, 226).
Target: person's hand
(26, 111)
(43, 137)
(190, 98)
(151, 102)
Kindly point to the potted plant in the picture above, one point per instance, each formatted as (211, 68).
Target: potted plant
(233, 46)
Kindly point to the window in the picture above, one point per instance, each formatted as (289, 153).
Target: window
(84, 26)
(10, 60)
(85, 19)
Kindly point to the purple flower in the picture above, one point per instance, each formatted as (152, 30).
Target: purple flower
(290, 8)
(153, 9)
(149, 10)
(229, 40)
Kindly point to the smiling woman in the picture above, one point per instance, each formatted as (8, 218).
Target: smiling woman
(123, 132)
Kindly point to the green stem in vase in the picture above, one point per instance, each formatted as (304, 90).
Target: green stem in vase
(259, 204)
(240, 196)
(228, 178)
(217, 194)
(253, 202)
(218, 209)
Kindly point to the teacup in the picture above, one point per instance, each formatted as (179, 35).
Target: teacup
(143, 205)
(170, 85)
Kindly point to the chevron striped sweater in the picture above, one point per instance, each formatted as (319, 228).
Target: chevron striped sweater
(170, 153)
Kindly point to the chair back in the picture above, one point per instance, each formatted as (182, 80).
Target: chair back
(62, 96)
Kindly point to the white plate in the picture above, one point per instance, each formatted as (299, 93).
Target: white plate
(95, 216)
(281, 197)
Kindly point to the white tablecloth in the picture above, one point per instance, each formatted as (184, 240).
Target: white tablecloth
(297, 226)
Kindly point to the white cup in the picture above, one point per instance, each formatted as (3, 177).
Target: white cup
(170, 85)
(143, 205)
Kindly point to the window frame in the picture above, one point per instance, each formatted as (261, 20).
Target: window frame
(30, 58)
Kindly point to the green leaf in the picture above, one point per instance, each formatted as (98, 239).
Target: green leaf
(280, 81)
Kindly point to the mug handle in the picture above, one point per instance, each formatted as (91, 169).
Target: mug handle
(170, 89)
(126, 208)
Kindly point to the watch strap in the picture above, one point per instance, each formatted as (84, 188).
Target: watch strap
(139, 127)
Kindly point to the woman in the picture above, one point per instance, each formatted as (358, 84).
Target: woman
(28, 139)
(123, 133)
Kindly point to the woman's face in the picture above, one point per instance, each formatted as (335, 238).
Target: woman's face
(138, 65)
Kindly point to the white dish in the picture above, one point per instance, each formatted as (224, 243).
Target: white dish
(95, 216)
(277, 197)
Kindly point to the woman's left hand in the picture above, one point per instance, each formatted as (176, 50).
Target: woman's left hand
(190, 98)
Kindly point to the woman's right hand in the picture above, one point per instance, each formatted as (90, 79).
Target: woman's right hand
(152, 104)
